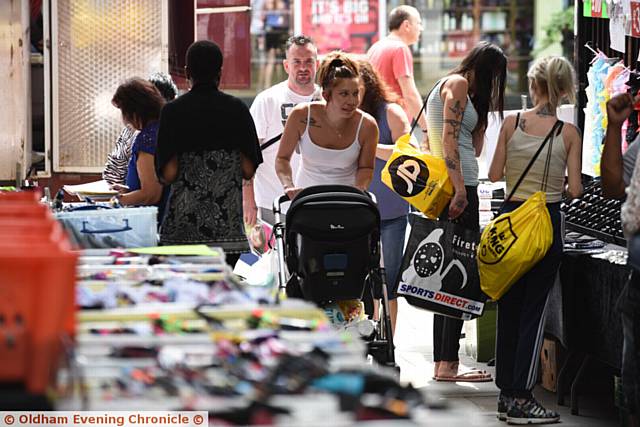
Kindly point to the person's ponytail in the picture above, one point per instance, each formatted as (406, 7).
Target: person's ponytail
(560, 81)
(553, 76)
(336, 65)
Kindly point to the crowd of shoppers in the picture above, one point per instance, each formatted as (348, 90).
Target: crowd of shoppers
(196, 158)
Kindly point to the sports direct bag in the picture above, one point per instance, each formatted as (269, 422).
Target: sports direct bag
(419, 178)
(439, 271)
(515, 241)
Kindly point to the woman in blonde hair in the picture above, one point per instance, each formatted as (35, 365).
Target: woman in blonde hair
(520, 310)
(337, 141)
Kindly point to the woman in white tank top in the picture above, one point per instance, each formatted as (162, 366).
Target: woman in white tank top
(336, 140)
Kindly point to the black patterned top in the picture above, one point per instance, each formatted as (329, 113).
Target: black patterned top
(206, 202)
(206, 130)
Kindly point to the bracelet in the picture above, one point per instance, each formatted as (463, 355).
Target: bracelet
(425, 130)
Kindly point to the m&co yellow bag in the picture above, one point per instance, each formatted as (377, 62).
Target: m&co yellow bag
(512, 244)
(419, 178)
(515, 241)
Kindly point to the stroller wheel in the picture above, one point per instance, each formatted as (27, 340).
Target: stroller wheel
(379, 350)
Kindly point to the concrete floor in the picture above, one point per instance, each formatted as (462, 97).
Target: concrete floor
(414, 354)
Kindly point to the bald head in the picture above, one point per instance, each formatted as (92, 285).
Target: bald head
(400, 14)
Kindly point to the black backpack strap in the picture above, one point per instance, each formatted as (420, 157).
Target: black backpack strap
(424, 106)
(517, 121)
(270, 142)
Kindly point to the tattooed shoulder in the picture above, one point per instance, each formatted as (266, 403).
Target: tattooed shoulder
(312, 122)
(523, 124)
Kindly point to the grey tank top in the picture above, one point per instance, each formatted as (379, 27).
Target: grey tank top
(435, 124)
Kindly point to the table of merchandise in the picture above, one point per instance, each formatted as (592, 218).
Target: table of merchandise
(582, 313)
(182, 334)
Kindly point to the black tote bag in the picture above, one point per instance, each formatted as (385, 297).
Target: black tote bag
(439, 272)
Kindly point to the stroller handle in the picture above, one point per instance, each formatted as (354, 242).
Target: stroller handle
(278, 201)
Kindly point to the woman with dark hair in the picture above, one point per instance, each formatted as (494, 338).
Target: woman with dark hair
(337, 141)
(207, 144)
(392, 121)
(457, 116)
(115, 169)
(140, 103)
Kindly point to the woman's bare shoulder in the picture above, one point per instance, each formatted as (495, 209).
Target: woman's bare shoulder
(455, 83)
(367, 120)
(300, 109)
(396, 111)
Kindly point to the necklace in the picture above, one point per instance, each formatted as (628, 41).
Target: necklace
(337, 130)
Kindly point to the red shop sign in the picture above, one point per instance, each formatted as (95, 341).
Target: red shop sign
(635, 18)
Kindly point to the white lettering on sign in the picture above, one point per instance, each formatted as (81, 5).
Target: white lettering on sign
(335, 12)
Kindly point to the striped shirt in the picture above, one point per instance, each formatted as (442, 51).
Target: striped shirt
(435, 124)
(115, 170)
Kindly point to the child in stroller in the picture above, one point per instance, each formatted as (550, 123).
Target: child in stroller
(330, 245)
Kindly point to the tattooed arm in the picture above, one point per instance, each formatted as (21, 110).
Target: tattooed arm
(454, 96)
(293, 130)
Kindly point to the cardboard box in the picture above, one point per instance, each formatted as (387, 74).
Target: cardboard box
(549, 365)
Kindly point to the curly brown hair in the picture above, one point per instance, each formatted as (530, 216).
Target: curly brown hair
(336, 65)
(139, 98)
(376, 91)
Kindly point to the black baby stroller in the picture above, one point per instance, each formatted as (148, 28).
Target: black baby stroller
(331, 247)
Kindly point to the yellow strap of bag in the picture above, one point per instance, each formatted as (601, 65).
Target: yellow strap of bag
(515, 241)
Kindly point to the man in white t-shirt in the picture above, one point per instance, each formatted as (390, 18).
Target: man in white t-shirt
(270, 110)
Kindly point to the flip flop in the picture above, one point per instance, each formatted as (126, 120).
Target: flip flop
(472, 376)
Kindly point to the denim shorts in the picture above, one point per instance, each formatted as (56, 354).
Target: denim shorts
(392, 235)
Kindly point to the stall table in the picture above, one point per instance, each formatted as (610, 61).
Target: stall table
(582, 314)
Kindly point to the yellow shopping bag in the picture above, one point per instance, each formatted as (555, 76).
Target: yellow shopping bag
(419, 178)
(512, 244)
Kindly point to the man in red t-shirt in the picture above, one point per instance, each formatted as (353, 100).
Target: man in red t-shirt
(393, 60)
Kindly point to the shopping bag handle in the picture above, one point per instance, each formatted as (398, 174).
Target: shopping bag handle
(556, 126)
(88, 208)
(85, 230)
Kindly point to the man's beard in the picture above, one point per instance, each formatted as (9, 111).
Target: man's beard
(303, 81)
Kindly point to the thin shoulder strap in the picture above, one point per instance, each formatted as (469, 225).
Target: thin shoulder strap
(517, 121)
(424, 106)
(306, 129)
(359, 126)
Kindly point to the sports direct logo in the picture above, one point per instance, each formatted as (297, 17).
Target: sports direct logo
(105, 418)
(442, 298)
